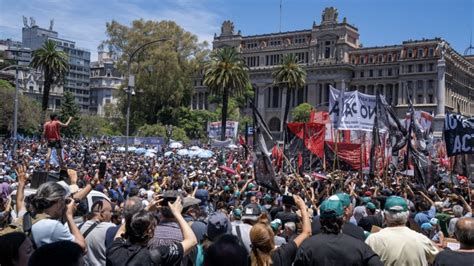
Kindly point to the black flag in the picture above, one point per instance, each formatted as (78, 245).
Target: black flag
(263, 168)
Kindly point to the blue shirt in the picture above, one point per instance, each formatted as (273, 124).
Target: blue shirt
(425, 216)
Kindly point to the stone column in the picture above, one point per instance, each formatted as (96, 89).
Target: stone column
(283, 105)
(441, 90)
(261, 97)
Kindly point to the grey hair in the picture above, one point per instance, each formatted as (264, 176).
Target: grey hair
(132, 205)
(457, 210)
(47, 194)
(291, 226)
(464, 235)
(396, 218)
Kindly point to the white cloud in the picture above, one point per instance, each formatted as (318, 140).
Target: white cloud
(84, 21)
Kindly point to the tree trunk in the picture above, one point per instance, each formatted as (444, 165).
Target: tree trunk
(46, 89)
(224, 113)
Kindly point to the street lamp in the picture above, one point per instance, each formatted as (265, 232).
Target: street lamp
(15, 106)
(131, 84)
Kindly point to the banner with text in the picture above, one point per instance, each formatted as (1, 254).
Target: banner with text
(214, 129)
(458, 134)
(357, 112)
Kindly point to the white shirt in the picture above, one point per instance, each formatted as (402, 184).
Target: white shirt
(402, 246)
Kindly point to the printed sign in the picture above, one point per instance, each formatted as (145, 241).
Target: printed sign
(357, 112)
(214, 129)
(458, 134)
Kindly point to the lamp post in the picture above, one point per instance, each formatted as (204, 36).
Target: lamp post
(131, 84)
(15, 105)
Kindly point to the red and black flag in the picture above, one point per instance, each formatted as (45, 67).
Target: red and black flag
(306, 144)
(264, 173)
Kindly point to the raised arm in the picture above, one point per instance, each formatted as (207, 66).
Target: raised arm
(306, 228)
(20, 191)
(78, 238)
(427, 198)
(189, 240)
(67, 123)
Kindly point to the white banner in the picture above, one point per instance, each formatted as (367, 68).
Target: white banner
(358, 110)
(214, 129)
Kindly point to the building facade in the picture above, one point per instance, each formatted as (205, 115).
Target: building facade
(105, 83)
(437, 78)
(77, 78)
(30, 81)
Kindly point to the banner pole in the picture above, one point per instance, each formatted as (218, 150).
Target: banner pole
(360, 153)
(335, 151)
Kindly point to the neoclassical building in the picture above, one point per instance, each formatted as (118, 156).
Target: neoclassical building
(436, 76)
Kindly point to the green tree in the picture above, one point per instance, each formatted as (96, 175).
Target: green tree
(53, 63)
(70, 109)
(292, 76)
(301, 112)
(163, 71)
(29, 111)
(158, 130)
(226, 74)
(92, 125)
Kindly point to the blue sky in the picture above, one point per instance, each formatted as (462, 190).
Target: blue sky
(380, 22)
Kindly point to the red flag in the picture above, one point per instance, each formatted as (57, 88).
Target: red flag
(241, 140)
(300, 160)
(230, 159)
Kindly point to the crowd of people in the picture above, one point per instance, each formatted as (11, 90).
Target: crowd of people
(181, 210)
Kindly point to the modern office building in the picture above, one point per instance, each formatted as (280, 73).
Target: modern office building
(437, 77)
(77, 79)
(105, 84)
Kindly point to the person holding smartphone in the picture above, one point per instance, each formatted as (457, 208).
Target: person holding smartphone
(264, 251)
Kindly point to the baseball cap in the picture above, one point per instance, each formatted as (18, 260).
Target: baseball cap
(370, 206)
(434, 221)
(275, 224)
(237, 213)
(218, 224)
(366, 199)
(343, 198)
(426, 227)
(251, 212)
(331, 209)
(395, 204)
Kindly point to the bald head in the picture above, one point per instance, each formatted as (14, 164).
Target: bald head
(464, 232)
(132, 206)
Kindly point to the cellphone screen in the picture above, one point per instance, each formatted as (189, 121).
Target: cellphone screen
(102, 167)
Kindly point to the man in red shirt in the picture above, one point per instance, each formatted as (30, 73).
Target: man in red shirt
(53, 137)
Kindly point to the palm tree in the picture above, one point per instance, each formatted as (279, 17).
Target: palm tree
(226, 74)
(53, 63)
(292, 76)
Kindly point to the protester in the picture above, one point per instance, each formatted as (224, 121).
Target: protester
(53, 138)
(15, 249)
(130, 246)
(50, 204)
(61, 253)
(263, 251)
(331, 246)
(250, 217)
(228, 251)
(464, 231)
(94, 231)
(397, 244)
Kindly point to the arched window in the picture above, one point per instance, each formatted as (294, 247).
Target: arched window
(274, 124)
